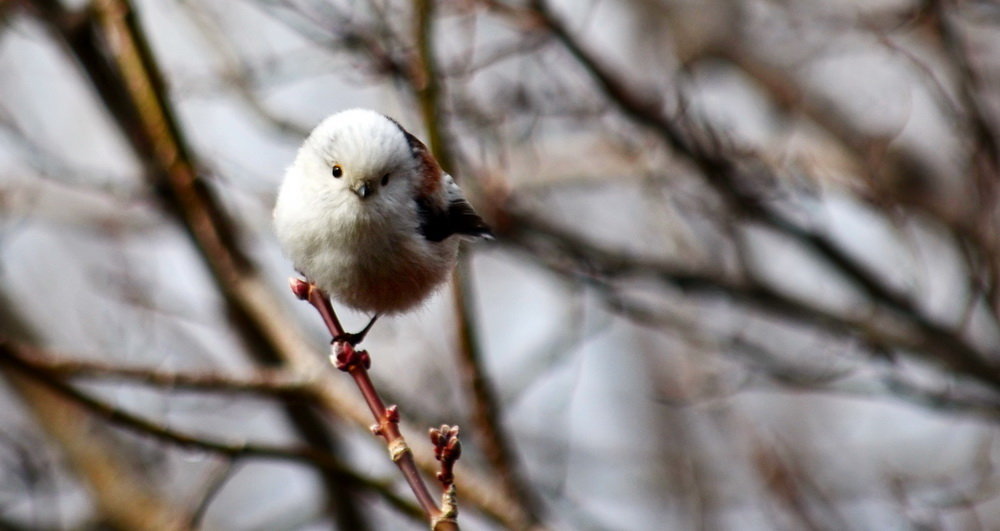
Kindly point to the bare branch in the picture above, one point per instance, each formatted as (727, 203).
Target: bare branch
(232, 450)
(356, 363)
(126, 77)
(731, 181)
(486, 414)
(266, 382)
(553, 246)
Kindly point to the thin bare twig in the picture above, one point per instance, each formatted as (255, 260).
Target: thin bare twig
(486, 415)
(122, 495)
(571, 254)
(356, 364)
(233, 450)
(447, 450)
(216, 481)
(257, 316)
(984, 156)
(937, 343)
(265, 382)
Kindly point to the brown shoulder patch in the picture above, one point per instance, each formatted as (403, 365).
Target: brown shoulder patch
(431, 183)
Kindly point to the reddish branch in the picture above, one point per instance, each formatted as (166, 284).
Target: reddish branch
(356, 363)
(110, 46)
(111, 50)
(447, 450)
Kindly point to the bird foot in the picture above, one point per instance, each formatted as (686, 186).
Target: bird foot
(353, 339)
(346, 359)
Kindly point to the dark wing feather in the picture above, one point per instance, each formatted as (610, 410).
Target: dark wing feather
(465, 220)
(436, 224)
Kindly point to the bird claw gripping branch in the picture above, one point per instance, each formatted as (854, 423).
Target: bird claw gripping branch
(356, 363)
(345, 357)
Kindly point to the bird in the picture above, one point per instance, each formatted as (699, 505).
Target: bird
(368, 216)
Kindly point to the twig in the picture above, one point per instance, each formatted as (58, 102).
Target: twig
(938, 343)
(121, 494)
(267, 382)
(447, 450)
(356, 363)
(889, 383)
(233, 450)
(570, 254)
(111, 48)
(139, 424)
(984, 159)
(426, 83)
(216, 481)
(969, 85)
(719, 170)
(486, 414)
(256, 314)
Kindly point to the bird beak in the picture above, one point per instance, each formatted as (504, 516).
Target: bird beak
(363, 189)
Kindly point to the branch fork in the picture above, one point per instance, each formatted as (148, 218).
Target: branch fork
(356, 363)
(346, 358)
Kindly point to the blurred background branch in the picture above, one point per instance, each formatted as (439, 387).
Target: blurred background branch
(747, 272)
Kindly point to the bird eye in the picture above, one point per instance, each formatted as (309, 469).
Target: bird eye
(337, 171)
(385, 179)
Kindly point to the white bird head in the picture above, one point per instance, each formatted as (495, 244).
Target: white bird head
(363, 157)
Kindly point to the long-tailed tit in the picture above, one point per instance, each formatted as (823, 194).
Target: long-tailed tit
(369, 217)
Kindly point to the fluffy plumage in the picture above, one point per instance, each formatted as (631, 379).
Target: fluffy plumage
(383, 235)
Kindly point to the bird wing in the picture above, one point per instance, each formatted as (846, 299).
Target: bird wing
(456, 217)
(441, 219)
